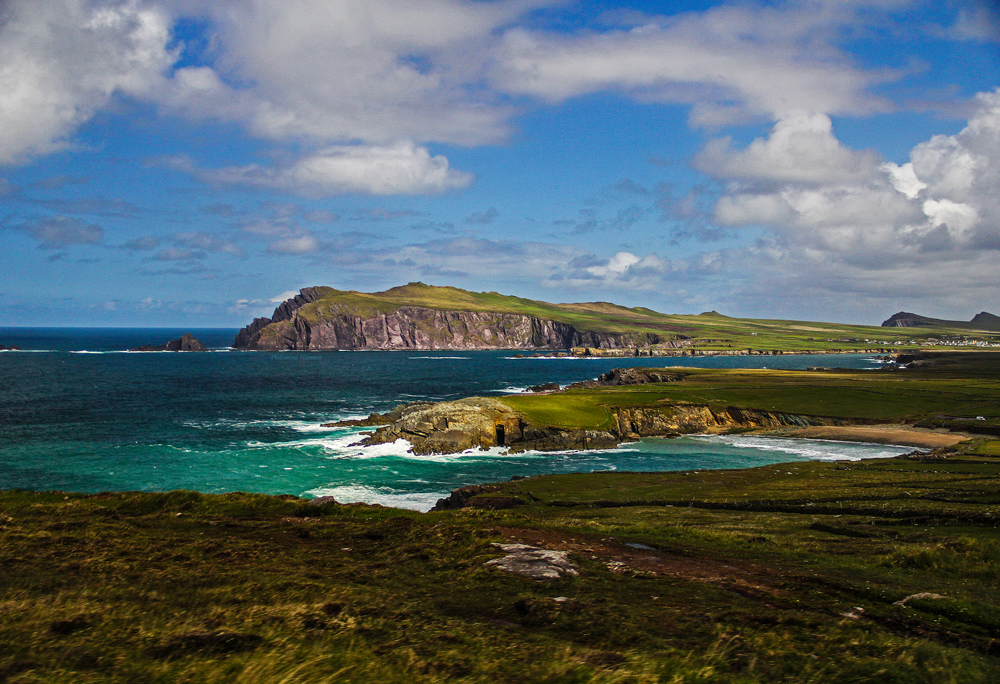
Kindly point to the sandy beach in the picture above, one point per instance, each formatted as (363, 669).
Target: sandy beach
(923, 438)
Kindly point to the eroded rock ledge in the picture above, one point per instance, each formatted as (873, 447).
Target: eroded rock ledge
(478, 422)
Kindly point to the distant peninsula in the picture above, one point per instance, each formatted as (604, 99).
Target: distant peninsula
(983, 320)
(417, 316)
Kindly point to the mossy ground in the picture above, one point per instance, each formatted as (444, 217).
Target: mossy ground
(716, 576)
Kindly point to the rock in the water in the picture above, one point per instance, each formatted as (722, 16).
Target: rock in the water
(186, 342)
(534, 562)
(12, 347)
(546, 387)
(617, 377)
(451, 426)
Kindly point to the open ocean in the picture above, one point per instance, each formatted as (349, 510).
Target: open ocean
(79, 413)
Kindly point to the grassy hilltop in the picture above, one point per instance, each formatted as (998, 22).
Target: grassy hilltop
(708, 331)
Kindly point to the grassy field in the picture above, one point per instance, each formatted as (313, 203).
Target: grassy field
(953, 394)
(787, 573)
(711, 331)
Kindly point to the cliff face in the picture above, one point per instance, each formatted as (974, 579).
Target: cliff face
(415, 327)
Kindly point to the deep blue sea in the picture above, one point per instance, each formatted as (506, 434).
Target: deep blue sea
(80, 413)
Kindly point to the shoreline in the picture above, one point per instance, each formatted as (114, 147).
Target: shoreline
(901, 434)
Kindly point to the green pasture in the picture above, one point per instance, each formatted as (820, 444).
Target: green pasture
(962, 392)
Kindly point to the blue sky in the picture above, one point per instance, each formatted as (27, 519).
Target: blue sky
(171, 162)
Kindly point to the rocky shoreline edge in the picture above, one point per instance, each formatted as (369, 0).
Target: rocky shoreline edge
(450, 427)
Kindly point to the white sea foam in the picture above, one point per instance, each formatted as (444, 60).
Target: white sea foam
(386, 496)
(441, 358)
(812, 449)
(560, 358)
(512, 390)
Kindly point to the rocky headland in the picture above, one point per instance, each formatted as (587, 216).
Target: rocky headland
(417, 316)
(482, 423)
(312, 320)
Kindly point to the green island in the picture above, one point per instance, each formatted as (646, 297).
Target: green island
(882, 570)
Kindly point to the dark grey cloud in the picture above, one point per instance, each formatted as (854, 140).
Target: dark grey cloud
(60, 232)
(484, 218)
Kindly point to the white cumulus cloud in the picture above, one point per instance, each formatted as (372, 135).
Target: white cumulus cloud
(400, 169)
(801, 148)
(730, 62)
(929, 225)
(63, 60)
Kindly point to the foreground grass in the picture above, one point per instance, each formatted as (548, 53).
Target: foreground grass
(785, 573)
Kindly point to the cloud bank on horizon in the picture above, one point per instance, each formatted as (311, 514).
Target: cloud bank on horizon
(177, 162)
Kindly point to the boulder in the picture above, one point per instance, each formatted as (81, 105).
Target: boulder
(533, 562)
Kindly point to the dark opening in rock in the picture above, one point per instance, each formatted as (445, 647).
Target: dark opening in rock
(501, 435)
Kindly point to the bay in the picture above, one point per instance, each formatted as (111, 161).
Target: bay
(79, 413)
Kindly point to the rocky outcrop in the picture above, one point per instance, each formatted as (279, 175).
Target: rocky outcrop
(416, 327)
(249, 337)
(634, 422)
(456, 426)
(629, 376)
(186, 342)
(534, 562)
(477, 496)
(449, 427)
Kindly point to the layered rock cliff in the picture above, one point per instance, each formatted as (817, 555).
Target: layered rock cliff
(304, 323)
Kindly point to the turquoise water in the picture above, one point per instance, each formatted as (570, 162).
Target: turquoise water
(79, 413)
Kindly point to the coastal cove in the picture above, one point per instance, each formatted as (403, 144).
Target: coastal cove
(82, 415)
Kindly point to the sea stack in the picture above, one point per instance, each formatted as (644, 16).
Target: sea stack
(186, 342)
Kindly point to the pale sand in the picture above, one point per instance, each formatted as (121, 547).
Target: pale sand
(879, 434)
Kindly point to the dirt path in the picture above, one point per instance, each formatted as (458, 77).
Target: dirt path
(747, 579)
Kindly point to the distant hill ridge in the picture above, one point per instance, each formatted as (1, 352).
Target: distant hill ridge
(981, 321)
